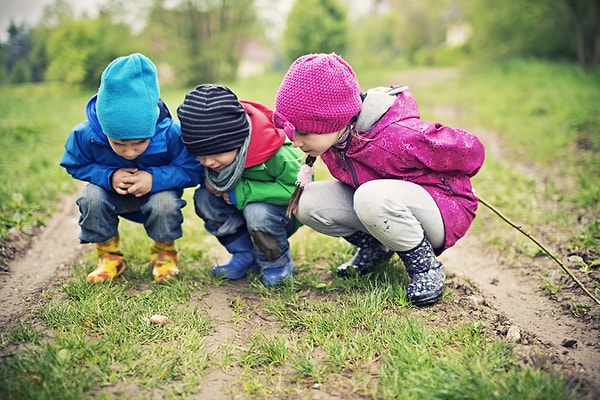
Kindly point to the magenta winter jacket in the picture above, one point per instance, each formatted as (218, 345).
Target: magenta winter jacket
(402, 146)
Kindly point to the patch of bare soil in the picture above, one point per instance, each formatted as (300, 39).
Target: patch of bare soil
(34, 264)
(507, 302)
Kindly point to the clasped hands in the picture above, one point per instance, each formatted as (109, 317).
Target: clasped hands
(131, 181)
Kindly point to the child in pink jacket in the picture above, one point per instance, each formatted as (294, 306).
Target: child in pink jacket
(403, 184)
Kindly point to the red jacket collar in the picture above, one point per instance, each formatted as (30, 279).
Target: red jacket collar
(265, 139)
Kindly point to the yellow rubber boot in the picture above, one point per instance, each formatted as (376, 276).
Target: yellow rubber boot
(164, 261)
(110, 261)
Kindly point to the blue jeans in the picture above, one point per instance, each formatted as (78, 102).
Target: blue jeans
(100, 209)
(266, 223)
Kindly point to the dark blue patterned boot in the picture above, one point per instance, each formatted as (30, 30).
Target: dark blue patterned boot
(426, 272)
(370, 253)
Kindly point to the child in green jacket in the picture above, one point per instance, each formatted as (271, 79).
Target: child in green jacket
(251, 170)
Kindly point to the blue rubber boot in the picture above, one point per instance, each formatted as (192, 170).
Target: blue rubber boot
(243, 260)
(276, 276)
(370, 253)
(426, 273)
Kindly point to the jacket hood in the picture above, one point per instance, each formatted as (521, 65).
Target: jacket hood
(377, 102)
(265, 140)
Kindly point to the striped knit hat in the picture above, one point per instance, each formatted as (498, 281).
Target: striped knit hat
(212, 120)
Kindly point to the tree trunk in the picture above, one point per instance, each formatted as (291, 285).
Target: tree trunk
(586, 18)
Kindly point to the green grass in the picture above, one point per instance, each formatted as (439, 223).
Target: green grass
(356, 337)
(33, 128)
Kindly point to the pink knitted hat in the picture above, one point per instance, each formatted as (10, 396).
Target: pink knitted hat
(319, 94)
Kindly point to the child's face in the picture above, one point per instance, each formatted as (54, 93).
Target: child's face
(129, 149)
(218, 161)
(315, 144)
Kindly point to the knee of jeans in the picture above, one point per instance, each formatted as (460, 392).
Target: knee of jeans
(201, 202)
(257, 215)
(91, 197)
(267, 244)
(164, 202)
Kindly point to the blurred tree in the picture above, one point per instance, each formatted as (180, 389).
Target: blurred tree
(17, 49)
(79, 50)
(315, 26)
(422, 26)
(402, 29)
(52, 15)
(38, 56)
(201, 39)
(3, 63)
(586, 19)
(21, 72)
(552, 29)
(378, 39)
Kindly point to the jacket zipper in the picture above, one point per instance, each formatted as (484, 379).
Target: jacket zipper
(454, 192)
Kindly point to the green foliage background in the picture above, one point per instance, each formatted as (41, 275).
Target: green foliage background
(315, 26)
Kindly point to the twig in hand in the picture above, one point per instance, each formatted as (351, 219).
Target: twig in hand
(304, 178)
(544, 249)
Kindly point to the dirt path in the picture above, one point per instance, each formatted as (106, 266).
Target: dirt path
(574, 343)
(42, 265)
(514, 297)
(510, 297)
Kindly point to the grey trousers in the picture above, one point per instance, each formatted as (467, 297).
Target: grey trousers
(395, 212)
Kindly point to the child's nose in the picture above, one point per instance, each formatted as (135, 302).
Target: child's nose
(130, 152)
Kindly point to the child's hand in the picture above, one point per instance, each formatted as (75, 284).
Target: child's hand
(226, 197)
(120, 181)
(132, 181)
(141, 183)
(211, 189)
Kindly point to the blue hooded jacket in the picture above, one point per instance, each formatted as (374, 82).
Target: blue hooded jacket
(89, 157)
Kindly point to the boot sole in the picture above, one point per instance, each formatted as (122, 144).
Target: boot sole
(234, 276)
(427, 300)
(270, 281)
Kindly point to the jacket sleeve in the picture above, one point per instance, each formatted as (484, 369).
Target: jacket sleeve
(444, 149)
(272, 182)
(79, 162)
(183, 170)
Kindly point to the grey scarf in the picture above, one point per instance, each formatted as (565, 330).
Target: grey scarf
(228, 177)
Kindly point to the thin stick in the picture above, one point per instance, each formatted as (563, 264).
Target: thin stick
(541, 246)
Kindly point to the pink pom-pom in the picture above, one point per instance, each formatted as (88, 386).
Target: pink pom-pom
(305, 175)
(289, 130)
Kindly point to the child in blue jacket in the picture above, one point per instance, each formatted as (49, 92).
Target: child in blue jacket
(130, 152)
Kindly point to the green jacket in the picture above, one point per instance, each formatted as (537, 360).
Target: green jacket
(272, 181)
